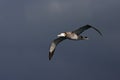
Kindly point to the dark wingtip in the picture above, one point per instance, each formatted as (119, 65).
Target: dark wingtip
(50, 56)
(101, 34)
(97, 30)
(49, 59)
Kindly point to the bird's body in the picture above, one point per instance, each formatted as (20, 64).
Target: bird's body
(73, 35)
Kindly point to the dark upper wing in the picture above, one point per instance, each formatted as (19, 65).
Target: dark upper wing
(82, 29)
(53, 46)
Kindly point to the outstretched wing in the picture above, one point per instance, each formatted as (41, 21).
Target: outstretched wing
(53, 46)
(82, 29)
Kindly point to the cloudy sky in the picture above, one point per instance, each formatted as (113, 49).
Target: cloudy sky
(27, 28)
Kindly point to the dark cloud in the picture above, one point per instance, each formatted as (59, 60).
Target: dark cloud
(27, 28)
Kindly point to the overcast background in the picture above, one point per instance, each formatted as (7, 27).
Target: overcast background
(27, 28)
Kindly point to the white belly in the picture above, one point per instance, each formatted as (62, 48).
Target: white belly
(73, 36)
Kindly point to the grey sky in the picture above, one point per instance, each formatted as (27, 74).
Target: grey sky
(27, 28)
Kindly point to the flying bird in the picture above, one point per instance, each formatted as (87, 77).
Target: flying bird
(73, 35)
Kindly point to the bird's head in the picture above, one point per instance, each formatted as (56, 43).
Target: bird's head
(61, 35)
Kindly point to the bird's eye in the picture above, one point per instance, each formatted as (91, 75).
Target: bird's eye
(81, 36)
(85, 37)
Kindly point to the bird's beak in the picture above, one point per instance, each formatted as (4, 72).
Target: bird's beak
(59, 35)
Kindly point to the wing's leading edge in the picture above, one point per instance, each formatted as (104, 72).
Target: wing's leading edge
(82, 29)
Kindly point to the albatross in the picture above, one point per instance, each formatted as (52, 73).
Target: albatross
(73, 35)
